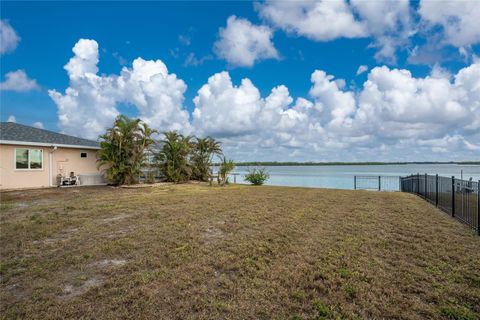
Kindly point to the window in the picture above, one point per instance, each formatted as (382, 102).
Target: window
(83, 154)
(28, 159)
(21, 159)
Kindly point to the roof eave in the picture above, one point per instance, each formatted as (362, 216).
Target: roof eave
(43, 144)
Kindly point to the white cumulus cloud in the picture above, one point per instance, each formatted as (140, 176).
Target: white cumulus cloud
(229, 111)
(241, 43)
(337, 105)
(38, 125)
(89, 104)
(9, 38)
(85, 59)
(395, 105)
(157, 94)
(388, 22)
(458, 19)
(18, 81)
(393, 114)
(361, 69)
(221, 107)
(317, 20)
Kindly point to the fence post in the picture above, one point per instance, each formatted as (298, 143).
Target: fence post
(400, 186)
(354, 182)
(453, 196)
(436, 190)
(379, 183)
(478, 207)
(234, 178)
(425, 187)
(418, 184)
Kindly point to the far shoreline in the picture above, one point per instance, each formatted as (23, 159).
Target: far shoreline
(285, 164)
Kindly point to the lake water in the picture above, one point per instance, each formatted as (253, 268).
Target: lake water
(341, 177)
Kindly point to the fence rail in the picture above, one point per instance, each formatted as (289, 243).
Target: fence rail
(380, 183)
(459, 198)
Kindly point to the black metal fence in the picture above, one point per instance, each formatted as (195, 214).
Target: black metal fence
(459, 198)
(380, 183)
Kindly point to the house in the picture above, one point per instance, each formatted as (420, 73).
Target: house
(32, 157)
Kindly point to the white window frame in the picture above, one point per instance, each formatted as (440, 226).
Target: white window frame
(86, 153)
(28, 159)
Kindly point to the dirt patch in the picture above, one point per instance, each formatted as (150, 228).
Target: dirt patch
(21, 205)
(117, 217)
(213, 233)
(70, 291)
(17, 291)
(63, 236)
(118, 233)
(107, 263)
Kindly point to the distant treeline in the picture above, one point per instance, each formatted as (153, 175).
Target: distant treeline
(275, 163)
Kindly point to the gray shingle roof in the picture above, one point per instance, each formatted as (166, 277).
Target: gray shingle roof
(11, 131)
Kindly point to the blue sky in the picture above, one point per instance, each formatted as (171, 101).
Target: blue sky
(186, 37)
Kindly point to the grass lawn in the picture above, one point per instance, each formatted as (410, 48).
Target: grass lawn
(237, 252)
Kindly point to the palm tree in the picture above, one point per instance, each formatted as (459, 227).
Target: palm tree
(226, 167)
(202, 157)
(123, 148)
(173, 158)
(214, 147)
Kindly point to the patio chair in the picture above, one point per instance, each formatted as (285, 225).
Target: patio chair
(71, 180)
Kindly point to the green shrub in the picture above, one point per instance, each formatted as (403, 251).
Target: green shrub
(257, 177)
